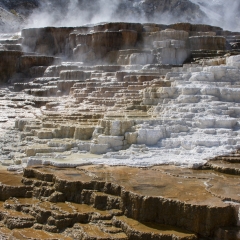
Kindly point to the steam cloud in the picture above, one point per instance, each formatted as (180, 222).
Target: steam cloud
(225, 14)
(73, 13)
(80, 12)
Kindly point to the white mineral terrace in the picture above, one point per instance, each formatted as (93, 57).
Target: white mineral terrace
(195, 119)
(133, 111)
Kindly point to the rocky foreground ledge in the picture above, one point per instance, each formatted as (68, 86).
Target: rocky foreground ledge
(102, 202)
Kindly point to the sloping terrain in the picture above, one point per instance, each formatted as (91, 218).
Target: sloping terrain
(23, 7)
(13, 14)
(9, 21)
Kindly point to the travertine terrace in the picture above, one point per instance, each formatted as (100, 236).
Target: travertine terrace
(77, 101)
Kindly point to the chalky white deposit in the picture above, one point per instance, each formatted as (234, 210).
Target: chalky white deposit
(97, 114)
(195, 119)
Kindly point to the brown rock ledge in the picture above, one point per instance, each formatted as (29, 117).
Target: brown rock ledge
(103, 202)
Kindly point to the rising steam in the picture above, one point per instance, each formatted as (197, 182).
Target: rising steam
(225, 14)
(73, 13)
(79, 12)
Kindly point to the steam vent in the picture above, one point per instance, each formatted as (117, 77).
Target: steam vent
(120, 131)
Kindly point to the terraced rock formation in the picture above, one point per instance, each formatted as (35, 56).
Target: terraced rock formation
(130, 98)
(120, 94)
(102, 202)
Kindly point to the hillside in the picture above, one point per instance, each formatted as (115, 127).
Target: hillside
(9, 21)
(14, 14)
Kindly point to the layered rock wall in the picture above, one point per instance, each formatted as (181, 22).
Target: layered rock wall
(101, 42)
(47, 41)
(207, 43)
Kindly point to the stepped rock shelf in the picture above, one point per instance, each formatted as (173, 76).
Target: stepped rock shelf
(96, 121)
(102, 202)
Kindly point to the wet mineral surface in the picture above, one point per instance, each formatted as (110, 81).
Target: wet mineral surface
(104, 202)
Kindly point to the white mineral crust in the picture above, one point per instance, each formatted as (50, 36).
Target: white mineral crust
(200, 121)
